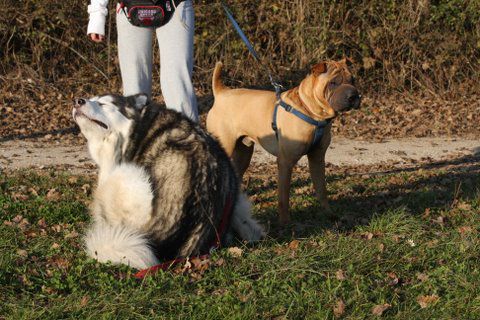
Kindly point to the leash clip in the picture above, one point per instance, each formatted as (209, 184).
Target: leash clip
(277, 86)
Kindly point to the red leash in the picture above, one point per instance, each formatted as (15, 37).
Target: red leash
(227, 212)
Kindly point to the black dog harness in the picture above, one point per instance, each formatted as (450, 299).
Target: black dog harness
(319, 125)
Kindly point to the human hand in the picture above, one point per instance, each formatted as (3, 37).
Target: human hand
(95, 37)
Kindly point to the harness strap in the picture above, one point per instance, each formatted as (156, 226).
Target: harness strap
(222, 229)
(319, 125)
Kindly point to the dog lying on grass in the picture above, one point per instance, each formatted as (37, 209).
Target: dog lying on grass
(164, 184)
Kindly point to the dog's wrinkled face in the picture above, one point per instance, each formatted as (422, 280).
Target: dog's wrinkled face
(332, 88)
(340, 91)
(106, 121)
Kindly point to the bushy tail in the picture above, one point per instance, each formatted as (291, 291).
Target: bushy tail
(242, 222)
(118, 244)
(217, 83)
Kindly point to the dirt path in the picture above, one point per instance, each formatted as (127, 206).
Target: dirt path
(343, 152)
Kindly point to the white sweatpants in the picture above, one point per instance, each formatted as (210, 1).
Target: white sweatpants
(175, 40)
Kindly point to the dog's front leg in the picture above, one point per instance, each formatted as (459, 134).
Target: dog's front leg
(107, 154)
(316, 163)
(284, 180)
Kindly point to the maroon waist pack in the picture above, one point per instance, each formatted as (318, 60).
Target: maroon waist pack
(149, 13)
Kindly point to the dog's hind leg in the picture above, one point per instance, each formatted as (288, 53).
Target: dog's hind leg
(242, 155)
(242, 222)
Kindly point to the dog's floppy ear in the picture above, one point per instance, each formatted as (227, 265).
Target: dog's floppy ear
(319, 68)
(138, 101)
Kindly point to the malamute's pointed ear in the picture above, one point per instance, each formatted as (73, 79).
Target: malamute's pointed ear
(138, 101)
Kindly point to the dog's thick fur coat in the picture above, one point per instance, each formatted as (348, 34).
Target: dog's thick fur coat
(163, 183)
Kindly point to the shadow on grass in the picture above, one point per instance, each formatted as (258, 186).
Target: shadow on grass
(358, 196)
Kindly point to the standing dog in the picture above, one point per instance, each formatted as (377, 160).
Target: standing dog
(164, 184)
(240, 117)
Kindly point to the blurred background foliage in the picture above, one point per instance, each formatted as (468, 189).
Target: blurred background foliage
(432, 46)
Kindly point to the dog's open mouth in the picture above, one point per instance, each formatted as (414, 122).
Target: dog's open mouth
(98, 122)
(101, 124)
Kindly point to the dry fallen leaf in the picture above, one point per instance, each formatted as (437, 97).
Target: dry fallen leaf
(379, 309)
(17, 196)
(30, 234)
(220, 262)
(73, 180)
(56, 228)
(340, 275)
(86, 188)
(22, 253)
(243, 298)
(53, 195)
(440, 220)
(48, 290)
(425, 301)
(368, 62)
(422, 277)
(84, 301)
(367, 235)
(23, 225)
(294, 244)
(235, 252)
(464, 206)
(33, 192)
(72, 234)
(7, 223)
(393, 279)
(426, 214)
(339, 308)
(41, 223)
(219, 292)
(60, 263)
(381, 247)
(24, 280)
(279, 250)
(465, 229)
(200, 265)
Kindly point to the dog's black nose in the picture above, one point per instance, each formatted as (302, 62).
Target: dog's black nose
(354, 100)
(79, 102)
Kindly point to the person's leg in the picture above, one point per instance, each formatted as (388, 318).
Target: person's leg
(176, 61)
(135, 56)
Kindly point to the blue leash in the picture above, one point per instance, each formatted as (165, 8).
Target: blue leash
(319, 125)
(240, 32)
(276, 85)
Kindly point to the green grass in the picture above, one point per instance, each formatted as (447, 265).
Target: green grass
(399, 236)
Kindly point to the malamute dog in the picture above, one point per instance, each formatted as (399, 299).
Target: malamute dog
(163, 183)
